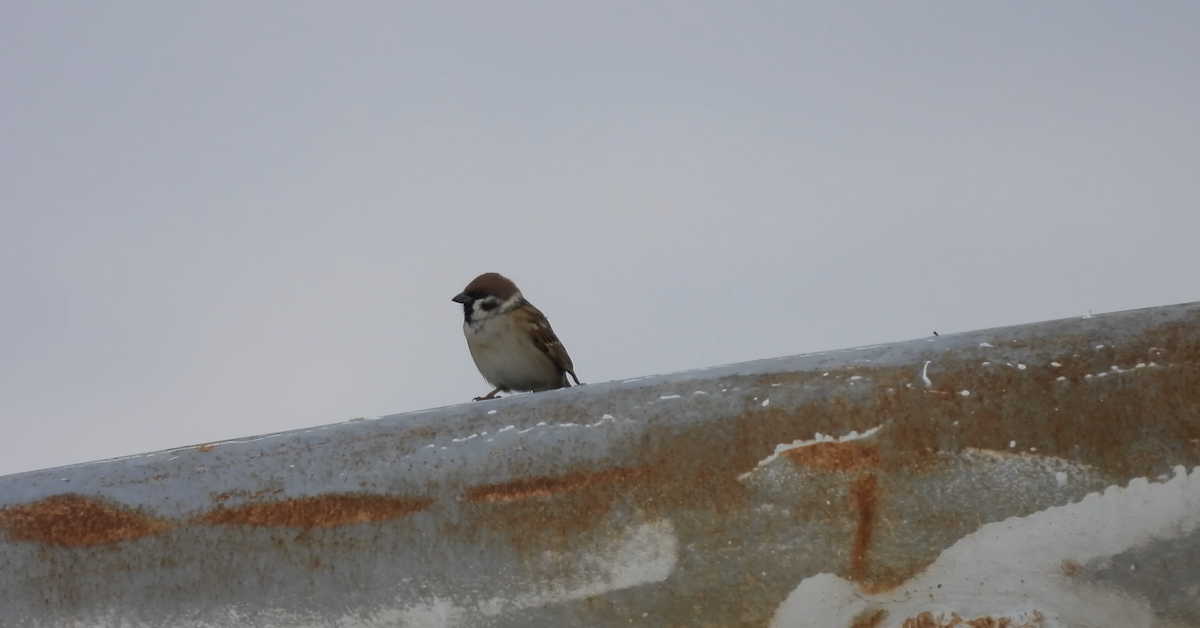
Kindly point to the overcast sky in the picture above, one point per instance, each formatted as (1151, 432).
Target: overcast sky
(220, 219)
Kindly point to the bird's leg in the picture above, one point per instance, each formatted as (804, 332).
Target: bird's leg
(491, 395)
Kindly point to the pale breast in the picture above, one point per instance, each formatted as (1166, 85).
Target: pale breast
(507, 358)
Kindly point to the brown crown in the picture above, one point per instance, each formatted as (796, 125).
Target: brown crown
(494, 284)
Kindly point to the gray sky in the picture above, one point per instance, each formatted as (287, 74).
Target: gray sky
(226, 219)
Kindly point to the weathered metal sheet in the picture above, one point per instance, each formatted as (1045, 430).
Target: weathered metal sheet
(1039, 475)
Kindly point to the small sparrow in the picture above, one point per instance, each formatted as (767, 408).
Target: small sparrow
(510, 340)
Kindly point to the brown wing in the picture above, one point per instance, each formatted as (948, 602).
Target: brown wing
(543, 336)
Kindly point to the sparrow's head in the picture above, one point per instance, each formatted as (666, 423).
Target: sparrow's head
(486, 295)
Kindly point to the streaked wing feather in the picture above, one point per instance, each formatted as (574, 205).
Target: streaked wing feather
(543, 336)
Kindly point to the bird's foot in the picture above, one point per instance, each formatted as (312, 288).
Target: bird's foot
(491, 395)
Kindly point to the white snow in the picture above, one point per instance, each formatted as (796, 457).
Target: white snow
(817, 438)
(1018, 568)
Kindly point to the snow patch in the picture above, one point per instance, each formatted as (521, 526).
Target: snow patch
(1019, 568)
(817, 438)
(642, 555)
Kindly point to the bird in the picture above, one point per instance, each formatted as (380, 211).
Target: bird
(510, 340)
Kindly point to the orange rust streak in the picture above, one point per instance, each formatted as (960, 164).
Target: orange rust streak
(865, 495)
(954, 620)
(870, 619)
(549, 486)
(73, 520)
(322, 511)
(846, 456)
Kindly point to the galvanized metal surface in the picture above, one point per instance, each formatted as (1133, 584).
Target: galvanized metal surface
(1039, 475)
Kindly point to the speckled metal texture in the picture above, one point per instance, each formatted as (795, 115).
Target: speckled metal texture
(1038, 475)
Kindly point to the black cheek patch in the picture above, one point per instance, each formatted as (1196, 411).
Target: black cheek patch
(489, 305)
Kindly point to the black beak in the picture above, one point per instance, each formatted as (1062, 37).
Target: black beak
(461, 298)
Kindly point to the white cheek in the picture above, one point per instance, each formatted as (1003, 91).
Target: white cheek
(478, 313)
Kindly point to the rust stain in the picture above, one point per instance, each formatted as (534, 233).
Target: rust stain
(849, 457)
(870, 619)
(832, 456)
(321, 511)
(206, 447)
(225, 496)
(954, 620)
(864, 493)
(550, 486)
(558, 512)
(73, 520)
